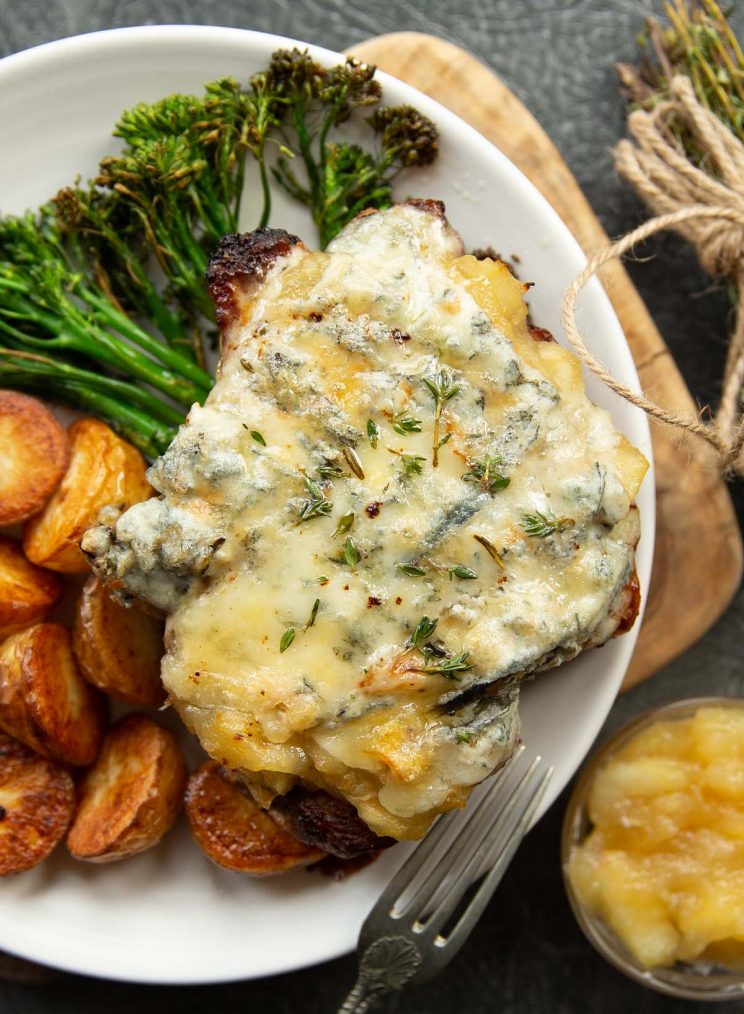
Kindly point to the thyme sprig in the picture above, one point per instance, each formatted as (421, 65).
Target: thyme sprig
(412, 464)
(436, 661)
(448, 667)
(540, 526)
(442, 390)
(487, 472)
(318, 505)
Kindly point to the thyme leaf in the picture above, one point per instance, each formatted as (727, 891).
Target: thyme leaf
(258, 438)
(330, 471)
(373, 432)
(540, 526)
(287, 637)
(411, 569)
(344, 524)
(424, 629)
(464, 735)
(313, 614)
(464, 573)
(404, 424)
(352, 556)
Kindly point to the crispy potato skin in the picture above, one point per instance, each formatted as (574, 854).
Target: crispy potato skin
(27, 592)
(34, 452)
(234, 832)
(44, 701)
(104, 470)
(118, 648)
(131, 796)
(37, 800)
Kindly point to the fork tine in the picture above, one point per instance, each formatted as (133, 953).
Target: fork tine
(472, 913)
(498, 837)
(403, 889)
(470, 842)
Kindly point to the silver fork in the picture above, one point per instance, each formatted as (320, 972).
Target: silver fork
(429, 908)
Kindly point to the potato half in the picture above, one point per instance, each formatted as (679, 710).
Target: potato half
(33, 456)
(104, 470)
(44, 701)
(37, 800)
(234, 832)
(27, 592)
(118, 648)
(132, 794)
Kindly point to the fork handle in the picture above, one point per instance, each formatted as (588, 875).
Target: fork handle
(384, 967)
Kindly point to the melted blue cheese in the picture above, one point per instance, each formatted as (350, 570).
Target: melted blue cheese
(337, 346)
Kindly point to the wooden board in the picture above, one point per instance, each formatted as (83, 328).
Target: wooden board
(698, 556)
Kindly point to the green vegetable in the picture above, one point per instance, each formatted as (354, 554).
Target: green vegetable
(341, 178)
(82, 317)
(54, 308)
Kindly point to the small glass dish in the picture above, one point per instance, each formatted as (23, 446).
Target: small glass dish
(701, 980)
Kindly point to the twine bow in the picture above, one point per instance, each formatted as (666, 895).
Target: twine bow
(707, 208)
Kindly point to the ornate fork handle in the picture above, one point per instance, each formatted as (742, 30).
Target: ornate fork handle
(386, 966)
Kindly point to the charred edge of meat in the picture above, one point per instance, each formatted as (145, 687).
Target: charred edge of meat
(320, 820)
(540, 334)
(241, 258)
(427, 204)
(628, 605)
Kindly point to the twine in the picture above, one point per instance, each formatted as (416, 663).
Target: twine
(706, 209)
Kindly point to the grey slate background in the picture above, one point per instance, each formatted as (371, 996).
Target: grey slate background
(527, 956)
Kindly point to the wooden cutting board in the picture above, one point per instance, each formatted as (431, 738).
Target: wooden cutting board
(698, 555)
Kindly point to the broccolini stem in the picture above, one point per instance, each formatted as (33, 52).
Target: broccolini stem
(162, 353)
(147, 422)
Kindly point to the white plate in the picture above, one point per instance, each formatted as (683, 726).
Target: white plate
(169, 916)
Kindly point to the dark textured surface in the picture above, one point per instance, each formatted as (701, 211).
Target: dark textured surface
(528, 956)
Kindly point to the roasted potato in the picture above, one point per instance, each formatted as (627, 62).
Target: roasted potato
(234, 832)
(118, 649)
(26, 592)
(37, 800)
(132, 794)
(104, 470)
(33, 456)
(44, 701)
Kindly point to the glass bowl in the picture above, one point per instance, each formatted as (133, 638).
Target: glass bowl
(701, 980)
